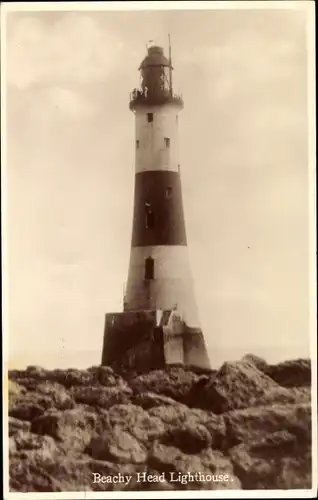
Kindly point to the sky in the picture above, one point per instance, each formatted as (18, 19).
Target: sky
(70, 176)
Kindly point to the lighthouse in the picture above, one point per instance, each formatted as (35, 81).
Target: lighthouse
(159, 324)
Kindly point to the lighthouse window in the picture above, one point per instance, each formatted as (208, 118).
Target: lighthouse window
(150, 117)
(169, 192)
(137, 143)
(167, 142)
(150, 219)
(149, 268)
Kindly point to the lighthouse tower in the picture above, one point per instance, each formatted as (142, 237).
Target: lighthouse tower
(159, 298)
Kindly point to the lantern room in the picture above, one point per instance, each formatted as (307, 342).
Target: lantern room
(156, 80)
(155, 72)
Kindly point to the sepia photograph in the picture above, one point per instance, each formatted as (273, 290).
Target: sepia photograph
(158, 182)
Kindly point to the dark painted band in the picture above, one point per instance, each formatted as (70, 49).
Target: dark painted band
(158, 209)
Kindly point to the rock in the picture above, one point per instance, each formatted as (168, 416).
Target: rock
(101, 396)
(258, 362)
(138, 422)
(252, 424)
(15, 374)
(61, 399)
(65, 425)
(201, 416)
(28, 475)
(170, 459)
(216, 426)
(301, 394)
(36, 372)
(275, 446)
(275, 462)
(292, 373)
(15, 389)
(241, 385)
(117, 445)
(29, 378)
(149, 400)
(194, 397)
(30, 448)
(295, 373)
(16, 425)
(179, 416)
(176, 383)
(71, 377)
(27, 441)
(279, 395)
(220, 464)
(30, 406)
(29, 384)
(175, 464)
(173, 415)
(12, 447)
(105, 375)
(65, 473)
(74, 428)
(188, 438)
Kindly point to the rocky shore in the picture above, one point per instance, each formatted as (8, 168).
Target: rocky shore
(244, 426)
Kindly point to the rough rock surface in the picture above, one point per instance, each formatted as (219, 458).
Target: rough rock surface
(291, 373)
(245, 426)
(241, 385)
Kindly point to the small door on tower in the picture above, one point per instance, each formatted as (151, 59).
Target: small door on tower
(149, 269)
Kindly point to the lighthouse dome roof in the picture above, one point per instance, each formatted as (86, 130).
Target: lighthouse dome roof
(155, 57)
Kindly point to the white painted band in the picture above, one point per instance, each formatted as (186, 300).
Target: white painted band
(172, 284)
(156, 141)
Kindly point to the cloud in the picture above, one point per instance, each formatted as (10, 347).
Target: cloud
(73, 49)
(69, 102)
(254, 83)
(252, 59)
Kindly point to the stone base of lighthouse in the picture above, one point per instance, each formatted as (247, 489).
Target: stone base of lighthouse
(152, 339)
